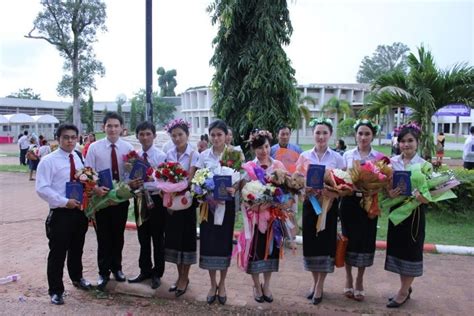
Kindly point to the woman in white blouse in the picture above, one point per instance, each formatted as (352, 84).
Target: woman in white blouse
(404, 254)
(319, 248)
(180, 231)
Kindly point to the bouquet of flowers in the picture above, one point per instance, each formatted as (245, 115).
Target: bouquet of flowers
(434, 187)
(291, 183)
(202, 184)
(54, 146)
(129, 159)
(232, 159)
(121, 192)
(88, 177)
(171, 179)
(370, 178)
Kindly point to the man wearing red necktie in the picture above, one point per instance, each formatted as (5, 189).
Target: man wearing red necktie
(106, 155)
(66, 224)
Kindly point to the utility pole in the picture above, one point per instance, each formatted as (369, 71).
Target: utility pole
(149, 63)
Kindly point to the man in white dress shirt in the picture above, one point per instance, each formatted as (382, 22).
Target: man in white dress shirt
(110, 222)
(66, 225)
(24, 143)
(468, 151)
(152, 228)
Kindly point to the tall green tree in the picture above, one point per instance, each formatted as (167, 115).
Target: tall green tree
(167, 82)
(120, 101)
(386, 58)
(162, 111)
(26, 93)
(71, 26)
(253, 74)
(337, 107)
(425, 89)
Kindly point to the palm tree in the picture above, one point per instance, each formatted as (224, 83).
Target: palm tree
(338, 108)
(303, 111)
(425, 89)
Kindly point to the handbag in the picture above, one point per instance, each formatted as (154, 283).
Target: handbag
(31, 156)
(341, 247)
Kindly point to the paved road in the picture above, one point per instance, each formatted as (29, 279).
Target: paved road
(445, 288)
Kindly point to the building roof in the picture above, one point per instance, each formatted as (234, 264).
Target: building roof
(42, 104)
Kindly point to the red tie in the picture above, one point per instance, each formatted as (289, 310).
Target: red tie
(115, 170)
(145, 157)
(72, 172)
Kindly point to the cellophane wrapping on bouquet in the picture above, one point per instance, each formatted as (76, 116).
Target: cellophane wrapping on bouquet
(88, 177)
(434, 186)
(171, 180)
(371, 178)
(121, 192)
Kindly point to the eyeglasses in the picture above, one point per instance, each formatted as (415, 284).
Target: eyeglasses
(67, 137)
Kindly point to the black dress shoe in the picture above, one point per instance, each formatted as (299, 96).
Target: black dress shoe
(119, 276)
(212, 298)
(139, 278)
(310, 295)
(102, 282)
(179, 292)
(155, 282)
(57, 299)
(82, 284)
(409, 294)
(268, 299)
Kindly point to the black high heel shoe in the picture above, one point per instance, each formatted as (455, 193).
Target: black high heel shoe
(395, 304)
(317, 300)
(409, 295)
(212, 298)
(179, 292)
(222, 299)
(268, 299)
(258, 299)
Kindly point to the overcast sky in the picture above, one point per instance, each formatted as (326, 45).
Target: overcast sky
(330, 39)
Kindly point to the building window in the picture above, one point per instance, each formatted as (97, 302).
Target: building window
(7, 128)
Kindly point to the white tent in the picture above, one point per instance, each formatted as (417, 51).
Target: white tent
(19, 118)
(44, 125)
(3, 120)
(45, 119)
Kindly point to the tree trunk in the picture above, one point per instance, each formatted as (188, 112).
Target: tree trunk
(76, 102)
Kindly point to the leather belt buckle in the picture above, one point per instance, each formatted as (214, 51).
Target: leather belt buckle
(358, 194)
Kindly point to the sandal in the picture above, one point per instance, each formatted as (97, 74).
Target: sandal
(349, 292)
(359, 295)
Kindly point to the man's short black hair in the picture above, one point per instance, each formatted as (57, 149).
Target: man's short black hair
(65, 127)
(283, 127)
(25, 133)
(472, 129)
(145, 125)
(112, 115)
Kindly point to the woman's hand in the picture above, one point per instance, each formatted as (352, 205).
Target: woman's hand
(231, 191)
(310, 191)
(72, 203)
(420, 197)
(393, 193)
(330, 194)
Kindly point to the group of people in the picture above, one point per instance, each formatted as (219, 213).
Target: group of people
(170, 236)
(32, 149)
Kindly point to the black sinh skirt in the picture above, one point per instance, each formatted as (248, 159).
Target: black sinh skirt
(360, 230)
(405, 245)
(215, 245)
(257, 262)
(180, 236)
(319, 250)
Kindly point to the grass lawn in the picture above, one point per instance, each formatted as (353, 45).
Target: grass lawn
(14, 168)
(10, 154)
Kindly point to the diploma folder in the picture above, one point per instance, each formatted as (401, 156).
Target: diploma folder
(74, 190)
(139, 170)
(315, 176)
(401, 179)
(220, 185)
(105, 179)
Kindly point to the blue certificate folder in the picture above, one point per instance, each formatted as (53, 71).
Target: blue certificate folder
(315, 176)
(139, 170)
(105, 179)
(401, 179)
(74, 190)
(220, 185)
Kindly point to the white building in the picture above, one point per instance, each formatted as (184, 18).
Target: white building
(196, 104)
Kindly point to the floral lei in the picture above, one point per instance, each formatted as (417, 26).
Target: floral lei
(320, 120)
(412, 125)
(176, 123)
(368, 123)
(257, 134)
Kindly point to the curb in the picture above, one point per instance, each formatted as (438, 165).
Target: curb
(380, 244)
